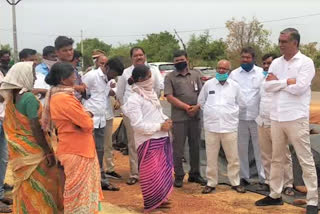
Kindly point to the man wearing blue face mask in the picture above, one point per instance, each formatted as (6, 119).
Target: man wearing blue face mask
(220, 99)
(249, 77)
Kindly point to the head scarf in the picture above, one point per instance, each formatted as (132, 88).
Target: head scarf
(20, 76)
(145, 89)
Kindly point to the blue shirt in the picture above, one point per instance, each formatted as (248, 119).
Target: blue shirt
(43, 69)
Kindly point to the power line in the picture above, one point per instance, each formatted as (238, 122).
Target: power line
(178, 31)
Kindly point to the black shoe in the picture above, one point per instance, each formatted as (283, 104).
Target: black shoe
(268, 201)
(208, 189)
(239, 189)
(109, 187)
(113, 175)
(132, 181)
(197, 179)
(178, 183)
(244, 182)
(263, 187)
(312, 209)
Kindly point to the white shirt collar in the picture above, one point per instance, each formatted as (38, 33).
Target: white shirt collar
(252, 70)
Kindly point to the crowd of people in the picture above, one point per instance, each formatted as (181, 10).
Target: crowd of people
(56, 126)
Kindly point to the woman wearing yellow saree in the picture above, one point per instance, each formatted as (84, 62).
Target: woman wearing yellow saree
(37, 187)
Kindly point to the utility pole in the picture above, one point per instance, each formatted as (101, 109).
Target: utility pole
(14, 28)
(81, 44)
(184, 46)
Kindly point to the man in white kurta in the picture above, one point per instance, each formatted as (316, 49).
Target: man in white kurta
(289, 79)
(249, 77)
(219, 99)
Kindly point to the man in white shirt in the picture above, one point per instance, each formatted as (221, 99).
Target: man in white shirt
(290, 79)
(124, 90)
(264, 130)
(42, 70)
(97, 84)
(219, 99)
(249, 77)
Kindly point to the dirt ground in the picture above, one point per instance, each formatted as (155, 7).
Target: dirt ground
(188, 199)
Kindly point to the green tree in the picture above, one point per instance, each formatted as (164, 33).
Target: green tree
(245, 33)
(88, 46)
(159, 46)
(311, 51)
(123, 52)
(6, 47)
(203, 51)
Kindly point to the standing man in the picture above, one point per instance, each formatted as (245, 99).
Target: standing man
(264, 130)
(181, 88)
(219, 99)
(249, 77)
(64, 51)
(97, 83)
(124, 90)
(28, 55)
(290, 79)
(49, 59)
(4, 61)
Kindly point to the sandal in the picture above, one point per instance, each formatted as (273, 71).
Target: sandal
(109, 187)
(132, 181)
(7, 201)
(288, 191)
(4, 208)
(208, 189)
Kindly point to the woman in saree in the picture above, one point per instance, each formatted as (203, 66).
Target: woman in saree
(151, 133)
(37, 186)
(75, 150)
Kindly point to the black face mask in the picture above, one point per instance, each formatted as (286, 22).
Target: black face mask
(180, 66)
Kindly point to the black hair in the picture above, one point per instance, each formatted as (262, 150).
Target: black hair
(294, 34)
(59, 71)
(76, 55)
(3, 52)
(179, 53)
(62, 41)
(48, 50)
(249, 50)
(135, 48)
(266, 56)
(116, 65)
(26, 52)
(139, 71)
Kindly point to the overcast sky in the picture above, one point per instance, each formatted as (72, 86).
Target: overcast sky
(123, 21)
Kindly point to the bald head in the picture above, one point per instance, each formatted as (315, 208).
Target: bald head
(101, 61)
(224, 65)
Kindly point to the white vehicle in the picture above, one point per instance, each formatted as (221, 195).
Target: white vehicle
(164, 67)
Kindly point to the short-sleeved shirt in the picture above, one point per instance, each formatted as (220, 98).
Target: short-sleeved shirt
(28, 105)
(186, 88)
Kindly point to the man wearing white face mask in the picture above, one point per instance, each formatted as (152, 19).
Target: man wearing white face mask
(124, 91)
